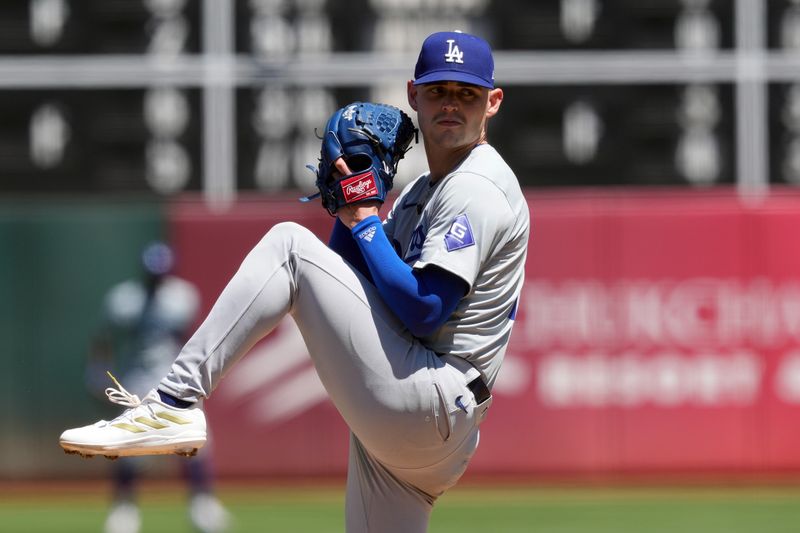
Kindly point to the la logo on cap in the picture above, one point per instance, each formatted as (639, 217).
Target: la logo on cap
(453, 55)
(442, 58)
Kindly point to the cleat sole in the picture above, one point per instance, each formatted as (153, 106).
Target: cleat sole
(187, 453)
(189, 448)
(76, 452)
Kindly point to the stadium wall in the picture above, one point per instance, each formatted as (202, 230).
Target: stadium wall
(659, 333)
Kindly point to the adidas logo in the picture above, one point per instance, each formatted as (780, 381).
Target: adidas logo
(367, 234)
(151, 423)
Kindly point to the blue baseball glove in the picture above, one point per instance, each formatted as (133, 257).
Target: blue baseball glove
(372, 139)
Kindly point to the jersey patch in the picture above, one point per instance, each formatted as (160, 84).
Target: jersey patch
(359, 187)
(459, 235)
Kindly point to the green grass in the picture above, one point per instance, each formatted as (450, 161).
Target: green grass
(603, 510)
(463, 510)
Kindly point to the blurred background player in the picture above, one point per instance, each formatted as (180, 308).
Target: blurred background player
(145, 322)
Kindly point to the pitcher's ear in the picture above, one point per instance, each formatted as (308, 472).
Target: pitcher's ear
(411, 90)
(495, 99)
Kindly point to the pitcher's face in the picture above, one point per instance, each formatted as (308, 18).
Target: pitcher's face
(451, 115)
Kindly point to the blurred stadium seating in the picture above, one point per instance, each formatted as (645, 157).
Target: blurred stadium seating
(90, 125)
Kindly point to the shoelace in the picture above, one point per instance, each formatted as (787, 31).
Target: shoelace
(121, 396)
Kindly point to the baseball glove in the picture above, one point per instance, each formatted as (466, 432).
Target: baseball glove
(372, 139)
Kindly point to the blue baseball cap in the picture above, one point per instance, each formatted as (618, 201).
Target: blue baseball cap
(455, 56)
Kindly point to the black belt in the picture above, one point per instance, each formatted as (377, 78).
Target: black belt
(479, 390)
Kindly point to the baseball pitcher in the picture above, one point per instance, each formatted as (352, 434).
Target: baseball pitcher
(406, 319)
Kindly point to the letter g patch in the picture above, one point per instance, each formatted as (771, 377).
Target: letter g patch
(460, 234)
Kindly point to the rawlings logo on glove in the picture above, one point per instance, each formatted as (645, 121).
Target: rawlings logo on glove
(359, 187)
(372, 139)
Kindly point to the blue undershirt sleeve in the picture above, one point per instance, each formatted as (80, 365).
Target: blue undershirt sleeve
(342, 242)
(422, 299)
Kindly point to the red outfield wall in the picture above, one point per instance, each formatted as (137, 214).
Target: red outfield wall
(659, 331)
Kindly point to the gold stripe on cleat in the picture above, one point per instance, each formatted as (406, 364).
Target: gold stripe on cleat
(172, 418)
(155, 424)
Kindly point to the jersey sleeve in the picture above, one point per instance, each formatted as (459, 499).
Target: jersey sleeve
(422, 299)
(467, 219)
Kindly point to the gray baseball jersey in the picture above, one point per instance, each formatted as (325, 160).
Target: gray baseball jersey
(414, 421)
(473, 223)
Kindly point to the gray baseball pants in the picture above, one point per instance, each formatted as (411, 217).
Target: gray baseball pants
(409, 440)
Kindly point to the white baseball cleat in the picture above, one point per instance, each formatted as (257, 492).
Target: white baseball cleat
(148, 427)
